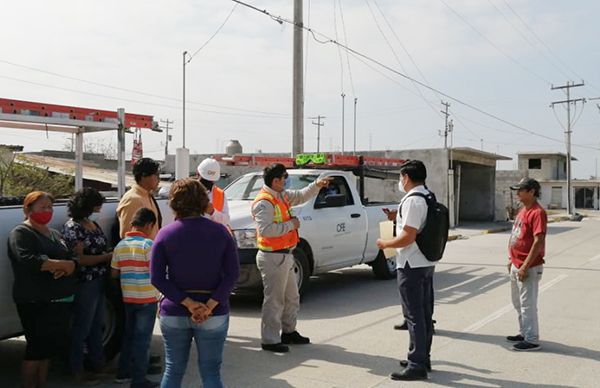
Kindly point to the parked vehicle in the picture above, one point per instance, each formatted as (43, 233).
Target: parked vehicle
(10, 325)
(338, 228)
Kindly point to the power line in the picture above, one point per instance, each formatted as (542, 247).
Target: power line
(346, 43)
(137, 91)
(494, 45)
(398, 59)
(339, 49)
(138, 101)
(214, 34)
(539, 39)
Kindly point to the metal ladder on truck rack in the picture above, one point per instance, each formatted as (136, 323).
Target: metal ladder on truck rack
(39, 116)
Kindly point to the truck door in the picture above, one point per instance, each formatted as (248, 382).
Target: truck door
(342, 225)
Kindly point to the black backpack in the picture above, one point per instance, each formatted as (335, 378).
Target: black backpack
(432, 239)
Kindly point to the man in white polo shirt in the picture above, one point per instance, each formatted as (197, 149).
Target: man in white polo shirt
(414, 271)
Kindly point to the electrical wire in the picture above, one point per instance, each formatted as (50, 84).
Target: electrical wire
(398, 59)
(539, 39)
(137, 91)
(339, 50)
(138, 101)
(346, 43)
(494, 45)
(214, 34)
(535, 47)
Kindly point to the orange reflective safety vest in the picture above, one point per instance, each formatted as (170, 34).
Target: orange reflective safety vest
(218, 198)
(282, 213)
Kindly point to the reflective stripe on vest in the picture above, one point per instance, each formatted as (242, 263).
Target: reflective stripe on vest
(218, 198)
(282, 213)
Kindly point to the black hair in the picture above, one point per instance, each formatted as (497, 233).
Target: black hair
(273, 171)
(143, 217)
(82, 203)
(144, 167)
(208, 185)
(415, 169)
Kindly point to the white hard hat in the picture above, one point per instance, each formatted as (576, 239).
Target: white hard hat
(209, 169)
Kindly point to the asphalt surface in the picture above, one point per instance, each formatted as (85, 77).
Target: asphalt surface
(349, 316)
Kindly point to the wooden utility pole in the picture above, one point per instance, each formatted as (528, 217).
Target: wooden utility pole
(568, 131)
(298, 83)
(319, 125)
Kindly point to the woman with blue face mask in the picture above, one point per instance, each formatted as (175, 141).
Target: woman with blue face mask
(89, 243)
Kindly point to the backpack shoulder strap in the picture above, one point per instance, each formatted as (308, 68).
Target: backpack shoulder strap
(426, 197)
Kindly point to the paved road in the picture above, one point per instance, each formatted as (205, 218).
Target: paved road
(349, 316)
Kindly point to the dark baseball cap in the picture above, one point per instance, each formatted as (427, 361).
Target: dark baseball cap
(527, 184)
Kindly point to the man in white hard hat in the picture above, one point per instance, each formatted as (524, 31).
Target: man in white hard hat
(209, 171)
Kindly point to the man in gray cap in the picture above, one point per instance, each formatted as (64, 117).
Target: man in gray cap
(525, 264)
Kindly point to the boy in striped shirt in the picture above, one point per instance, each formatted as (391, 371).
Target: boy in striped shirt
(131, 264)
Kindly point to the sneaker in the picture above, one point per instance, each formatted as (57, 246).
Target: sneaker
(154, 359)
(145, 384)
(525, 346)
(154, 369)
(277, 348)
(122, 379)
(515, 338)
(294, 338)
(409, 374)
(84, 379)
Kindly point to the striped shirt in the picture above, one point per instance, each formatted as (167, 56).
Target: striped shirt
(132, 257)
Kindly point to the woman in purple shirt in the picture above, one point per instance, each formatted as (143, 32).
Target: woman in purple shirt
(194, 265)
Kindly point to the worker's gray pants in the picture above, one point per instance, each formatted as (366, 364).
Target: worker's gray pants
(281, 299)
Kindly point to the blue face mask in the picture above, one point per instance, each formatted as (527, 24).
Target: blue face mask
(93, 217)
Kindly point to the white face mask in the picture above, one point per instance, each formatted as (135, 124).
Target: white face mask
(401, 186)
(93, 217)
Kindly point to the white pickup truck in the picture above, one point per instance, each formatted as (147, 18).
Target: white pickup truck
(337, 229)
(10, 325)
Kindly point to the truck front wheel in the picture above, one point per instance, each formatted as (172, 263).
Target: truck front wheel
(114, 321)
(301, 269)
(383, 268)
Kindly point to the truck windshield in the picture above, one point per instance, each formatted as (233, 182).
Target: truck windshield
(247, 187)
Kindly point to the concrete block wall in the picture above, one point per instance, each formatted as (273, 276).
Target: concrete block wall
(505, 179)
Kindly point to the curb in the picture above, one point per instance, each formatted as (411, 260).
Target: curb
(497, 230)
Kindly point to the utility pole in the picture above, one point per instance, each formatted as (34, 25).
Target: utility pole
(183, 122)
(446, 115)
(568, 101)
(298, 83)
(354, 149)
(168, 137)
(319, 125)
(343, 116)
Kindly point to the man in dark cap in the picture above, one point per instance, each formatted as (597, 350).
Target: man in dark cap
(145, 172)
(525, 266)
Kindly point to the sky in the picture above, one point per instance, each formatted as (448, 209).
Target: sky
(494, 61)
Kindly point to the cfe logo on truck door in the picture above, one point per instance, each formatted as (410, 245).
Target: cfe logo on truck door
(340, 228)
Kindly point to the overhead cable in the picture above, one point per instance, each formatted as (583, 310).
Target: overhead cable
(324, 39)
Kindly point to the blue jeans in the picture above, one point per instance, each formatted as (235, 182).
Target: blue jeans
(139, 324)
(209, 337)
(88, 323)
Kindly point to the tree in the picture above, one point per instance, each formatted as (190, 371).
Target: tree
(18, 177)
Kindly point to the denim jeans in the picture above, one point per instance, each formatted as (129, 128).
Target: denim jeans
(524, 298)
(415, 286)
(88, 323)
(209, 337)
(139, 324)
